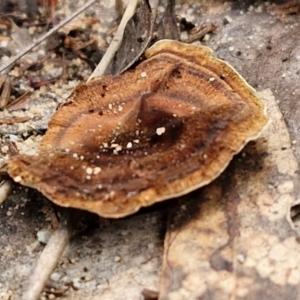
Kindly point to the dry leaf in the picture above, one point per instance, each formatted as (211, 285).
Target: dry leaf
(286, 8)
(136, 38)
(21, 36)
(20, 103)
(5, 86)
(234, 238)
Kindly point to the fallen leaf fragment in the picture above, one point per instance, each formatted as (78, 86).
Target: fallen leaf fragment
(136, 38)
(13, 120)
(19, 103)
(166, 128)
(5, 85)
(289, 7)
(234, 239)
(149, 294)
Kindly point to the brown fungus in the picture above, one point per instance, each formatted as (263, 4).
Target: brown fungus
(166, 128)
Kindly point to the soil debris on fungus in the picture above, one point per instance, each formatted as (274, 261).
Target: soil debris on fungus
(85, 161)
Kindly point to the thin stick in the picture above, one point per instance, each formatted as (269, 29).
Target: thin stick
(48, 260)
(46, 35)
(116, 42)
(5, 189)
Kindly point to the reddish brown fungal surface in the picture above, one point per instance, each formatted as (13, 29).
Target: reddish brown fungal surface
(162, 130)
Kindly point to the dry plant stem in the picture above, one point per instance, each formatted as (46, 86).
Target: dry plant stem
(48, 260)
(116, 42)
(153, 5)
(46, 35)
(5, 189)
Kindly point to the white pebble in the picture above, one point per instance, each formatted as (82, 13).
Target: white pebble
(56, 276)
(43, 236)
(117, 258)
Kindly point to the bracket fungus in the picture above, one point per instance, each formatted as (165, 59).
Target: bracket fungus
(162, 130)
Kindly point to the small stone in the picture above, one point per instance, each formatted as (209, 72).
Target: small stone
(117, 258)
(43, 236)
(4, 149)
(240, 258)
(227, 20)
(87, 278)
(56, 276)
(151, 246)
(72, 260)
(206, 38)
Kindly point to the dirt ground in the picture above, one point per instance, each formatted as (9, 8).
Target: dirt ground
(117, 259)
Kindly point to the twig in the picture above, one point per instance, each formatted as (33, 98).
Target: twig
(46, 35)
(116, 42)
(200, 34)
(5, 189)
(48, 259)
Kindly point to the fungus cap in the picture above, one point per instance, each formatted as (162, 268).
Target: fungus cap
(160, 131)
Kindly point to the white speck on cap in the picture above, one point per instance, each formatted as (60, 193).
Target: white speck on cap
(160, 130)
(97, 170)
(89, 170)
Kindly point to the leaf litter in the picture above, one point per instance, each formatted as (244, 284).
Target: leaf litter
(222, 260)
